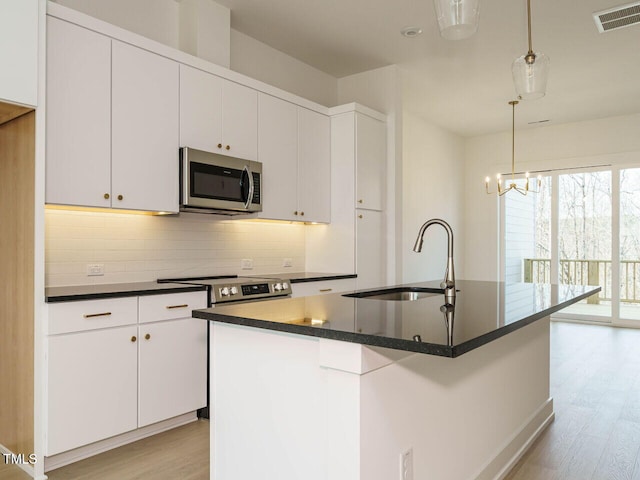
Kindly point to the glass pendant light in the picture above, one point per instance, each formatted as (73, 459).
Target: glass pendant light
(457, 19)
(530, 71)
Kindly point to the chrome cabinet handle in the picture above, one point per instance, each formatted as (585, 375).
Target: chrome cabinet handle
(91, 315)
(169, 307)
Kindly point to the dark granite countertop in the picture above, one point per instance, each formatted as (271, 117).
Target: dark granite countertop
(93, 292)
(483, 312)
(303, 277)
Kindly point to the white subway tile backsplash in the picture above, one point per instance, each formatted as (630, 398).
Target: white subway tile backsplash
(137, 248)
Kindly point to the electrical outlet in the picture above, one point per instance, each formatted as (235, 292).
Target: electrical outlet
(246, 264)
(406, 465)
(95, 269)
(287, 262)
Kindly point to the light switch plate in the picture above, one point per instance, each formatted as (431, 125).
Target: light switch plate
(246, 264)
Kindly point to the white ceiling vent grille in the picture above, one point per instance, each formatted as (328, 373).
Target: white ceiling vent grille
(617, 17)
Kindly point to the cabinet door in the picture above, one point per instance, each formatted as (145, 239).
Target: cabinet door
(172, 369)
(78, 167)
(200, 109)
(371, 154)
(278, 126)
(144, 164)
(92, 387)
(19, 51)
(314, 166)
(370, 249)
(240, 121)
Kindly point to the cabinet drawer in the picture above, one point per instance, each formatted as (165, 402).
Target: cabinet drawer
(306, 289)
(154, 308)
(92, 314)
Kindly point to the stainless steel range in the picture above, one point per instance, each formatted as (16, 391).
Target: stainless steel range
(231, 288)
(223, 289)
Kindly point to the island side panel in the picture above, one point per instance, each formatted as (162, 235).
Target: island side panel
(269, 405)
(465, 418)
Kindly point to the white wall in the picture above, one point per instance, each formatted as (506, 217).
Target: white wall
(154, 19)
(613, 140)
(433, 176)
(137, 248)
(262, 62)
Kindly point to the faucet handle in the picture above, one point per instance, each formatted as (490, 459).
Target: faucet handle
(447, 284)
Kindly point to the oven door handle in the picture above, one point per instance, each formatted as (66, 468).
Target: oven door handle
(246, 171)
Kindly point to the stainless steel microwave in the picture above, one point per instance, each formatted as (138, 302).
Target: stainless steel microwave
(213, 183)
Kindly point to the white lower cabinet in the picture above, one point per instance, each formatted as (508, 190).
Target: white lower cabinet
(323, 287)
(93, 382)
(113, 369)
(171, 384)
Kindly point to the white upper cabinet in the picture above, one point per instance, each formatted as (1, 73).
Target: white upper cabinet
(144, 130)
(200, 109)
(112, 120)
(240, 121)
(78, 170)
(295, 150)
(277, 139)
(19, 51)
(217, 115)
(371, 154)
(314, 166)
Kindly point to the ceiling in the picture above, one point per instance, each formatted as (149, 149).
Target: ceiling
(463, 86)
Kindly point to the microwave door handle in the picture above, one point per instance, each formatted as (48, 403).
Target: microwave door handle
(250, 195)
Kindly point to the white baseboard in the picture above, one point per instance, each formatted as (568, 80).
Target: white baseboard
(26, 467)
(515, 447)
(77, 454)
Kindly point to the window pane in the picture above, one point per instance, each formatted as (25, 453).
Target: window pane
(630, 243)
(584, 237)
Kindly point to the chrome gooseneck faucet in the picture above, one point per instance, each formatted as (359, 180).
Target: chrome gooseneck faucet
(449, 282)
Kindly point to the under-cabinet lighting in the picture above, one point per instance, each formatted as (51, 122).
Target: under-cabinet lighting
(74, 208)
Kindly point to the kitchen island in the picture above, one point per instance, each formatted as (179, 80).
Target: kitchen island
(338, 387)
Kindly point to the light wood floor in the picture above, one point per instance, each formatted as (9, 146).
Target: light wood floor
(178, 454)
(595, 384)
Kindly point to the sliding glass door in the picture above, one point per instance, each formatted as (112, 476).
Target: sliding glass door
(630, 244)
(584, 237)
(583, 228)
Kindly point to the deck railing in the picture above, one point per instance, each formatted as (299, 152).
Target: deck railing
(588, 272)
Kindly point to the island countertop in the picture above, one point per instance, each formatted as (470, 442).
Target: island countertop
(481, 313)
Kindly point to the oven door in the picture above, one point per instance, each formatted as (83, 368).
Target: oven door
(217, 183)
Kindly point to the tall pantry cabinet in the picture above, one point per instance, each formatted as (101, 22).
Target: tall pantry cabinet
(356, 237)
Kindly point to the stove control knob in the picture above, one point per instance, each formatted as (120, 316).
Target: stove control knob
(277, 287)
(233, 290)
(224, 291)
(285, 286)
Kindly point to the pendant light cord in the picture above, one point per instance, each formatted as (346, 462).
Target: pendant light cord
(529, 25)
(513, 139)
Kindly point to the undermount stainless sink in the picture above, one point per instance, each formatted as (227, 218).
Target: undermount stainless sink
(398, 293)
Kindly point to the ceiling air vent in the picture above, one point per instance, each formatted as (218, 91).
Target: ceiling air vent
(617, 17)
